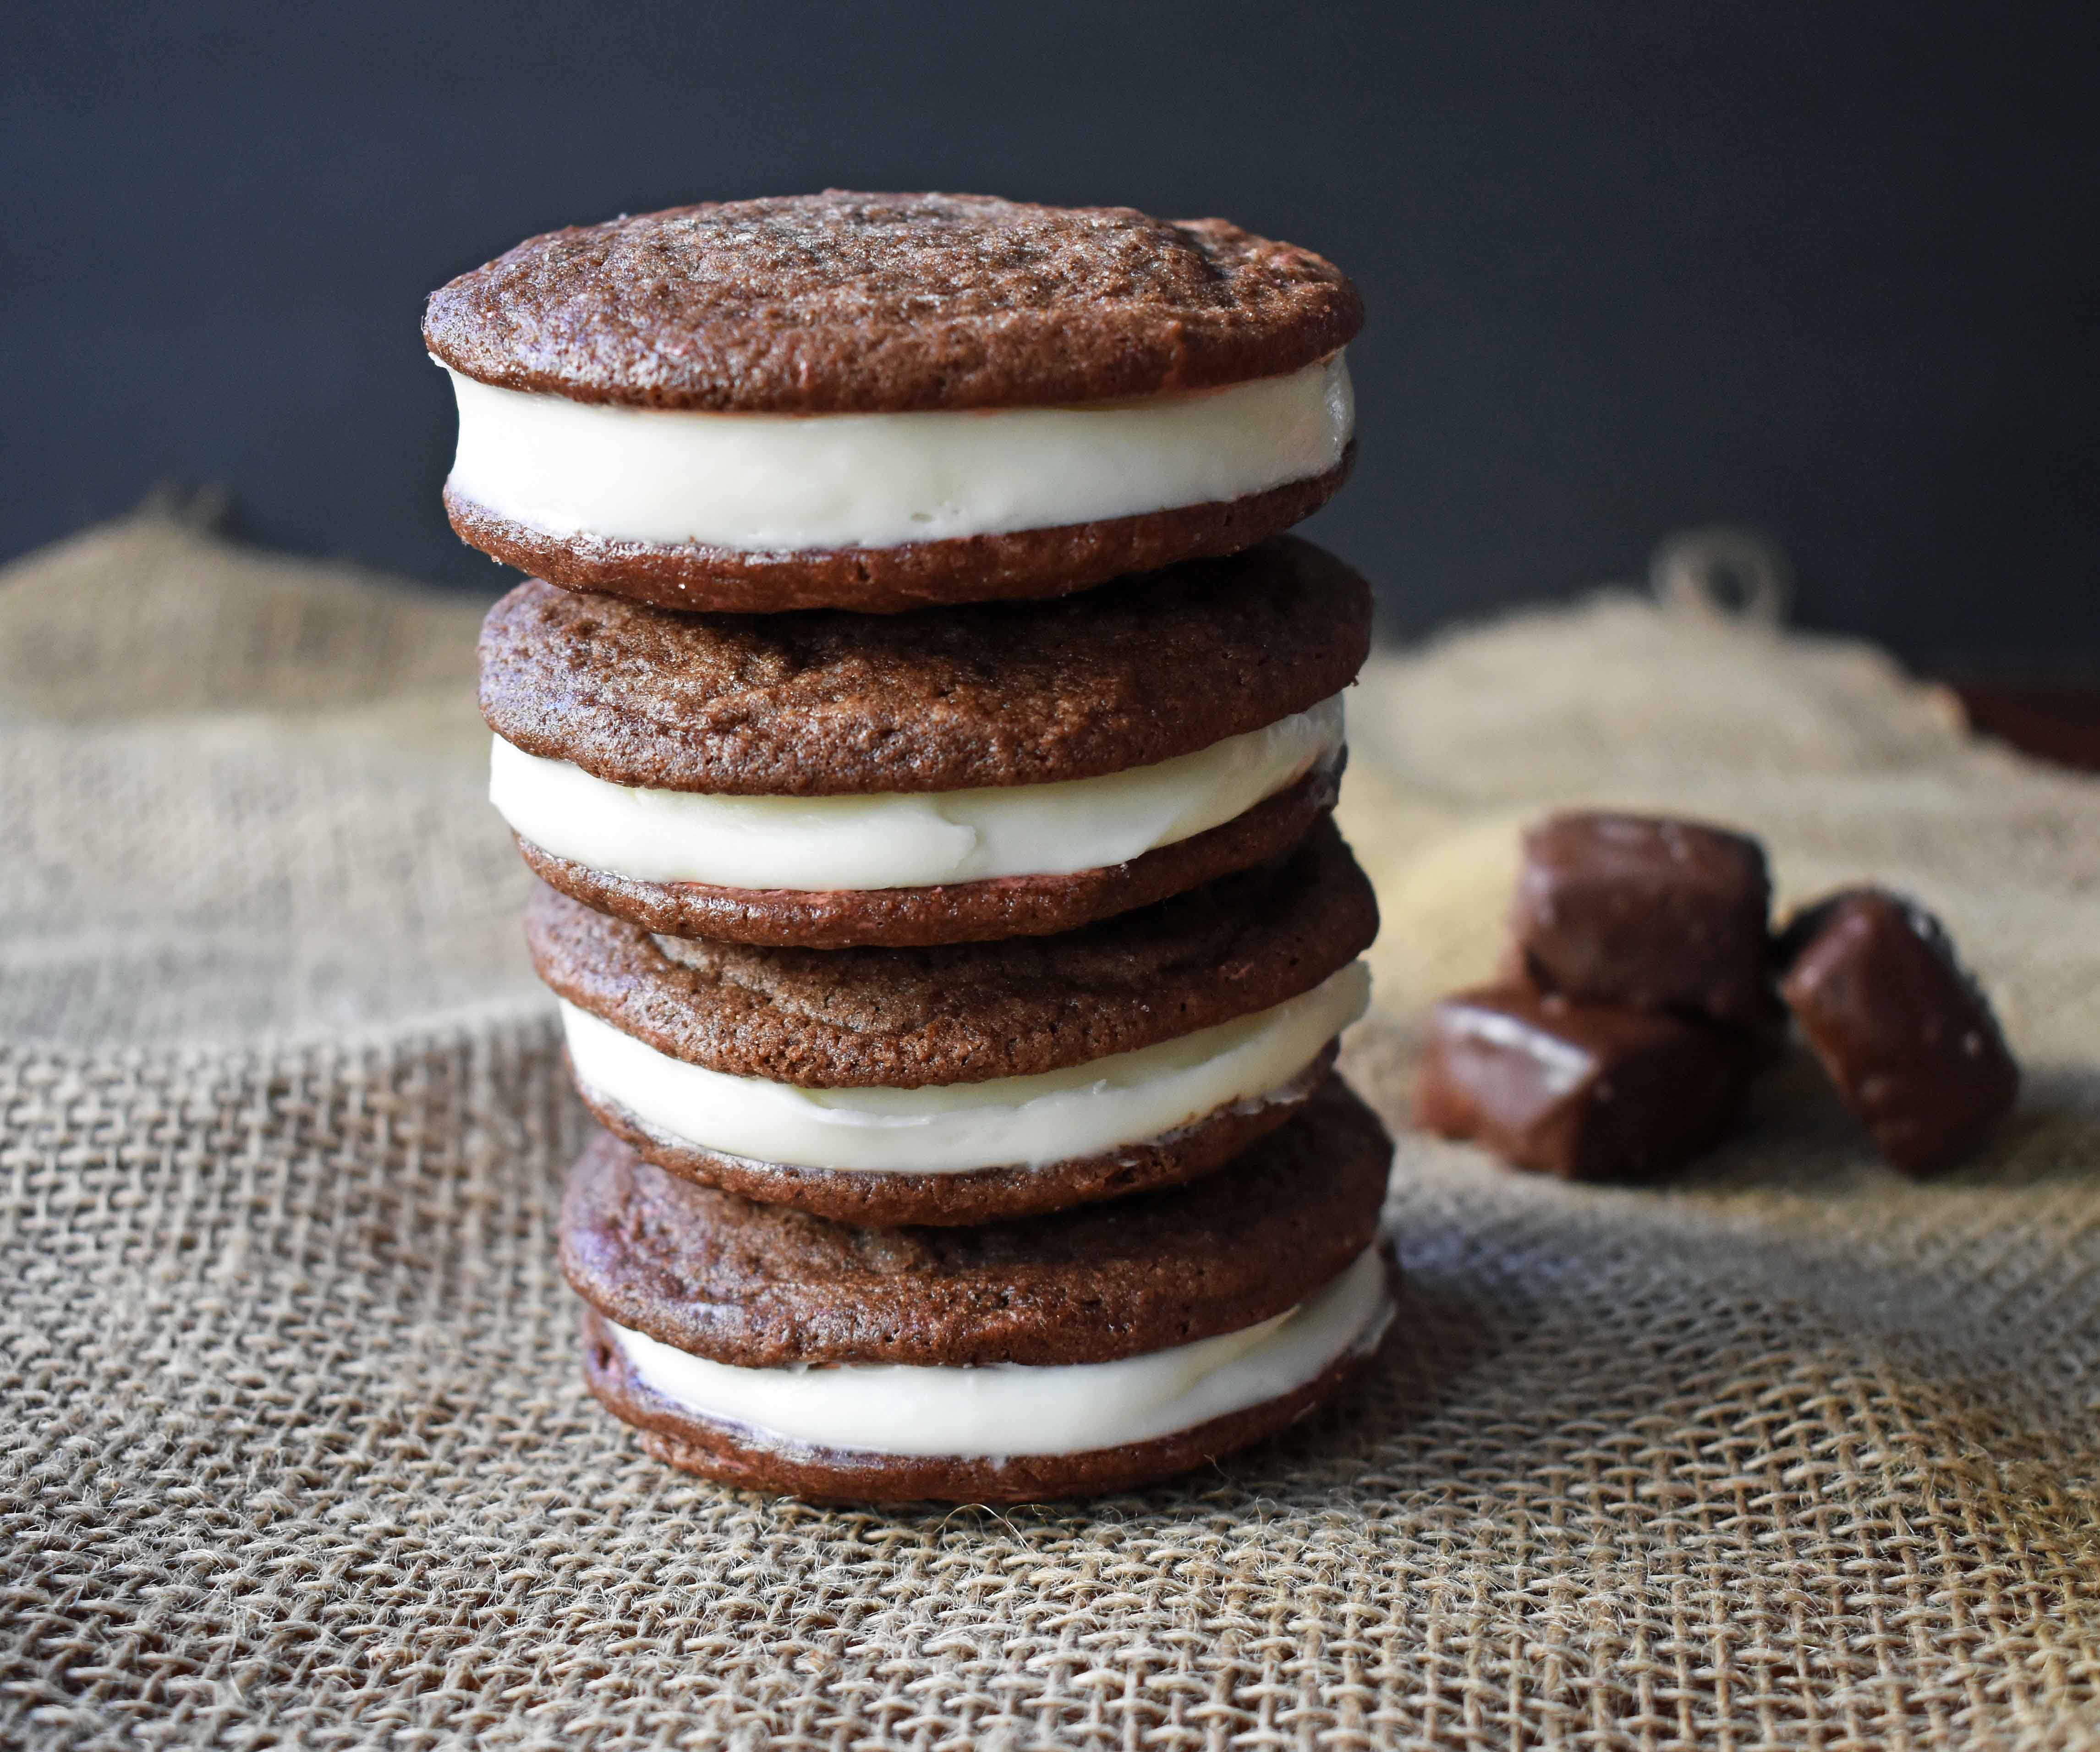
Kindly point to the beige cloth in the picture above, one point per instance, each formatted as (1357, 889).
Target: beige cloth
(1791, 1453)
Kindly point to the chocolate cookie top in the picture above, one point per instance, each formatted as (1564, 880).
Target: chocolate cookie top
(854, 304)
(761, 1286)
(966, 1012)
(826, 702)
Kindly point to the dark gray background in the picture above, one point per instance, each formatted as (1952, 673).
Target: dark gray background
(1828, 269)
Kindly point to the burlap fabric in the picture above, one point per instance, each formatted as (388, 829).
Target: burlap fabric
(1791, 1452)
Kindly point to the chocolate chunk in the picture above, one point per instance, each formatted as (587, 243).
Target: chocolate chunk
(1902, 1030)
(1578, 1090)
(1653, 914)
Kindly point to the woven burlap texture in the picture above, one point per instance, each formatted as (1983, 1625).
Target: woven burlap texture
(1791, 1453)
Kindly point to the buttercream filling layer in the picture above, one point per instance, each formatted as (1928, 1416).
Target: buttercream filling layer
(899, 839)
(1009, 1408)
(762, 483)
(1064, 1115)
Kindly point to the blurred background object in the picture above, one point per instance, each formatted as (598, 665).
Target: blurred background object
(1828, 270)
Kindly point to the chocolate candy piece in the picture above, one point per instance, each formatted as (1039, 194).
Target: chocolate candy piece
(1909, 1039)
(1575, 1089)
(1653, 914)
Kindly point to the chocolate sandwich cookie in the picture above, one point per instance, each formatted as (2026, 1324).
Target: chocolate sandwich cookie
(828, 779)
(879, 402)
(970, 1081)
(1057, 1355)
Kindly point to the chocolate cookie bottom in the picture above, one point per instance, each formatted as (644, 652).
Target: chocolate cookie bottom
(750, 1461)
(1024, 563)
(955, 912)
(887, 1201)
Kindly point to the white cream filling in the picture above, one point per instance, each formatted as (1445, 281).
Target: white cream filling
(953, 1127)
(781, 482)
(1009, 1409)
(898, 839)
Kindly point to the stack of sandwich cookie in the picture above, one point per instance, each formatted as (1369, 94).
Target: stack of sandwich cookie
(959, 985)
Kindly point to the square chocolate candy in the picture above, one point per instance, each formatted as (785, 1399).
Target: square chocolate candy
(1579, 1090)
(1648, 913)
(1906, 1035)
